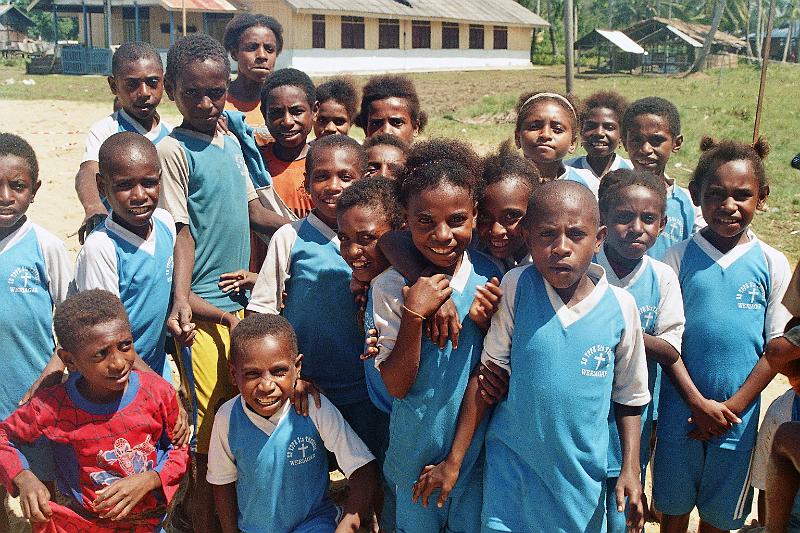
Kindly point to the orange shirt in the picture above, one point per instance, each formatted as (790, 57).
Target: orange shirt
(288, 179)
(253, 117)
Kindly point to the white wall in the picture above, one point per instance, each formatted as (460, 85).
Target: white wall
(318, 61)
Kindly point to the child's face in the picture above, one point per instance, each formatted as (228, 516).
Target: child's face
(729, 198)
(17, 190)
(139, 87)
(331, 117)
(562, 239)
(441, 220)
(650, 143)
(334, 171)
(393, 116)
(289, 116)
(266, 372)
(359, 229)
(546, 133)
(600, 132)
(256, 55)
(385, 160)
(199, 93)
(634, 222)
(500, 212)
(132, 188)
(104, 360)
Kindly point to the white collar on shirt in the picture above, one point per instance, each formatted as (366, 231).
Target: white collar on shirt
(15, 236)
(217, 140)
(267, 425)
(727, 259)
(461, 276)
(323, 228)
(627, 281)
(569, 315)
(148, 245)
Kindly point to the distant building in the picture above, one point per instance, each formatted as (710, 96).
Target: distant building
(14, 26)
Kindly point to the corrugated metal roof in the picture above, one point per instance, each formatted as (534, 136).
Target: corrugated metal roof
(617, 38)
(696, 32)
(13, 11)
(684, 37)
(208, 6)
(212, 6)
(482, 11)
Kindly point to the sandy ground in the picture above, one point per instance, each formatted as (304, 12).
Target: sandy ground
(57, 131)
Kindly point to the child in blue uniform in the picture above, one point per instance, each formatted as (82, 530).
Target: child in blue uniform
(439, 191)
(651, 133)
(130, 253)
(137, 82)
(207, 190)
(268, 463)
(303, 260)
(571, 343)
(35, 266)
(632, 204)
(732, 286)
(600, 119)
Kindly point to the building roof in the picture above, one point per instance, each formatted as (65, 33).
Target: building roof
(506, 12)
(691, 33)
(617, 38)
(208, 6)
(15, 17)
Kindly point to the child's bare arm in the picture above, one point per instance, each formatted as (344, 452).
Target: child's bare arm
(86, 187)
(783, 479)
(757, 381)
(628, 485)
(226, 506)
(444, 475)
(52, 374)
(781, 352)
(34, 498)
(357, 510)
(264, 220)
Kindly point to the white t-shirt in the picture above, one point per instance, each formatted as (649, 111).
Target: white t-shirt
(778, 413)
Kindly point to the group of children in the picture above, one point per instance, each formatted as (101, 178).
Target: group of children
(483, 343)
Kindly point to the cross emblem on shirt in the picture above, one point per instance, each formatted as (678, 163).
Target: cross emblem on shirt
(303, 447)
(753, 292)
(600, 358)
(26, 277)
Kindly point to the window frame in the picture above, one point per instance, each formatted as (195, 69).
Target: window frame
(477, 32)
(354, 39)
(500, 37)
(318, 23)
(453, 40)
(388, 34)
(421, 40)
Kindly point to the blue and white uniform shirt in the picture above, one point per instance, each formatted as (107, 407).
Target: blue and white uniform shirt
(139, 272)
(587, 173)
(684, 219)
(117, 122)
(582, 176)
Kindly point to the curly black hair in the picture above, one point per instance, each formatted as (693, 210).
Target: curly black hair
(241, 22)
(122, 146)
(387, 139)
(506, 163)
(717, 153)
(652, 105)
(608, 99)
(375, 193)
(571, 106)
(436, 161)
(288, 76)
(258, 326)
(391, 86)
(551, 194)
(336, 142)
(84, 310)
(133, 51)
(342, 91)
(197, 47)
(613, 183)
(15, 145)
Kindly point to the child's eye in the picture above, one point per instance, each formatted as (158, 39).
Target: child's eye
(366, 239)
(153, 82)
(270, 49)
(149, 184)
(216, 94)
(340, 121)
(457, 220)
(576, 234)
(397, 122)
(424, 220)
(190, 93)
(19, 185)
(297, 110)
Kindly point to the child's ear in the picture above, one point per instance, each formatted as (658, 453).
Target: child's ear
(763, 193)
(307, 182)
(232, 371)
(599, 238)
(573, 145)
(678, 143)
(315, 107)
(298, 363)
(516, 140)
(694, 191)
(36, 185)
(170, 88)
(663, 224)
(101, 186)
(112, 84)
(475, 213)
(67, 358)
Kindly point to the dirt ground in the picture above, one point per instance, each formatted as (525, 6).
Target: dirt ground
(57, 131)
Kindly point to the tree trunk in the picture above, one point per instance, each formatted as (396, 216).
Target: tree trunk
(788, 42)
(610, 14)
(747, 31)
(716, 18)
(551, 31)
(759, 30)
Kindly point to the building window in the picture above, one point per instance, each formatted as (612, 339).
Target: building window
(388, 33)
(352, 32)
(500, 38)
(450, 35)
(317, 31)
(129, 24)
(420, 34)
(475, 37)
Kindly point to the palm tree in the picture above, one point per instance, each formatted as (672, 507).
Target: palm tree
(716, 18)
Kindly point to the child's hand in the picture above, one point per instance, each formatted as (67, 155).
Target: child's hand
(222, 125)
(179, 323)
(359, 290)
(181, 432)
(486, 302)
(427, 295)
(493, 382)
(442, 476)
(302, 390)
(118, 499)
(237, 281)
(90, 221)
(712, 418)
(372, 345)
(33, 497)
(628, 485)
(444, 325)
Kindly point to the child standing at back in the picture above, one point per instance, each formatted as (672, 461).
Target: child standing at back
(390, 104)
(336, 107)
(651, 133)
(386, 155)
(732, 286)
(137, 82)
(34, 262)
(208, 191)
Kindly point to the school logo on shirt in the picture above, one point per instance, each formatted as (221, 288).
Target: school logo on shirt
(750, 296)
(674, 229)
(242, 166)
(24, 280)
(595, 361)
(648, 315)
(169, 267)
(301, 450)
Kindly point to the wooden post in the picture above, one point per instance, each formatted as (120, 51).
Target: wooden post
(107, 21)
(764, 64)
(171, 28)
(183, 16)
(137, 33)
(569, 43)
(85, 23)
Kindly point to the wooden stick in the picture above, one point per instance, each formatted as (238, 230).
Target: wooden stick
(764, 65)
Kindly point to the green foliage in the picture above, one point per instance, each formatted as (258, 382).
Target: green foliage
(43, 23)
